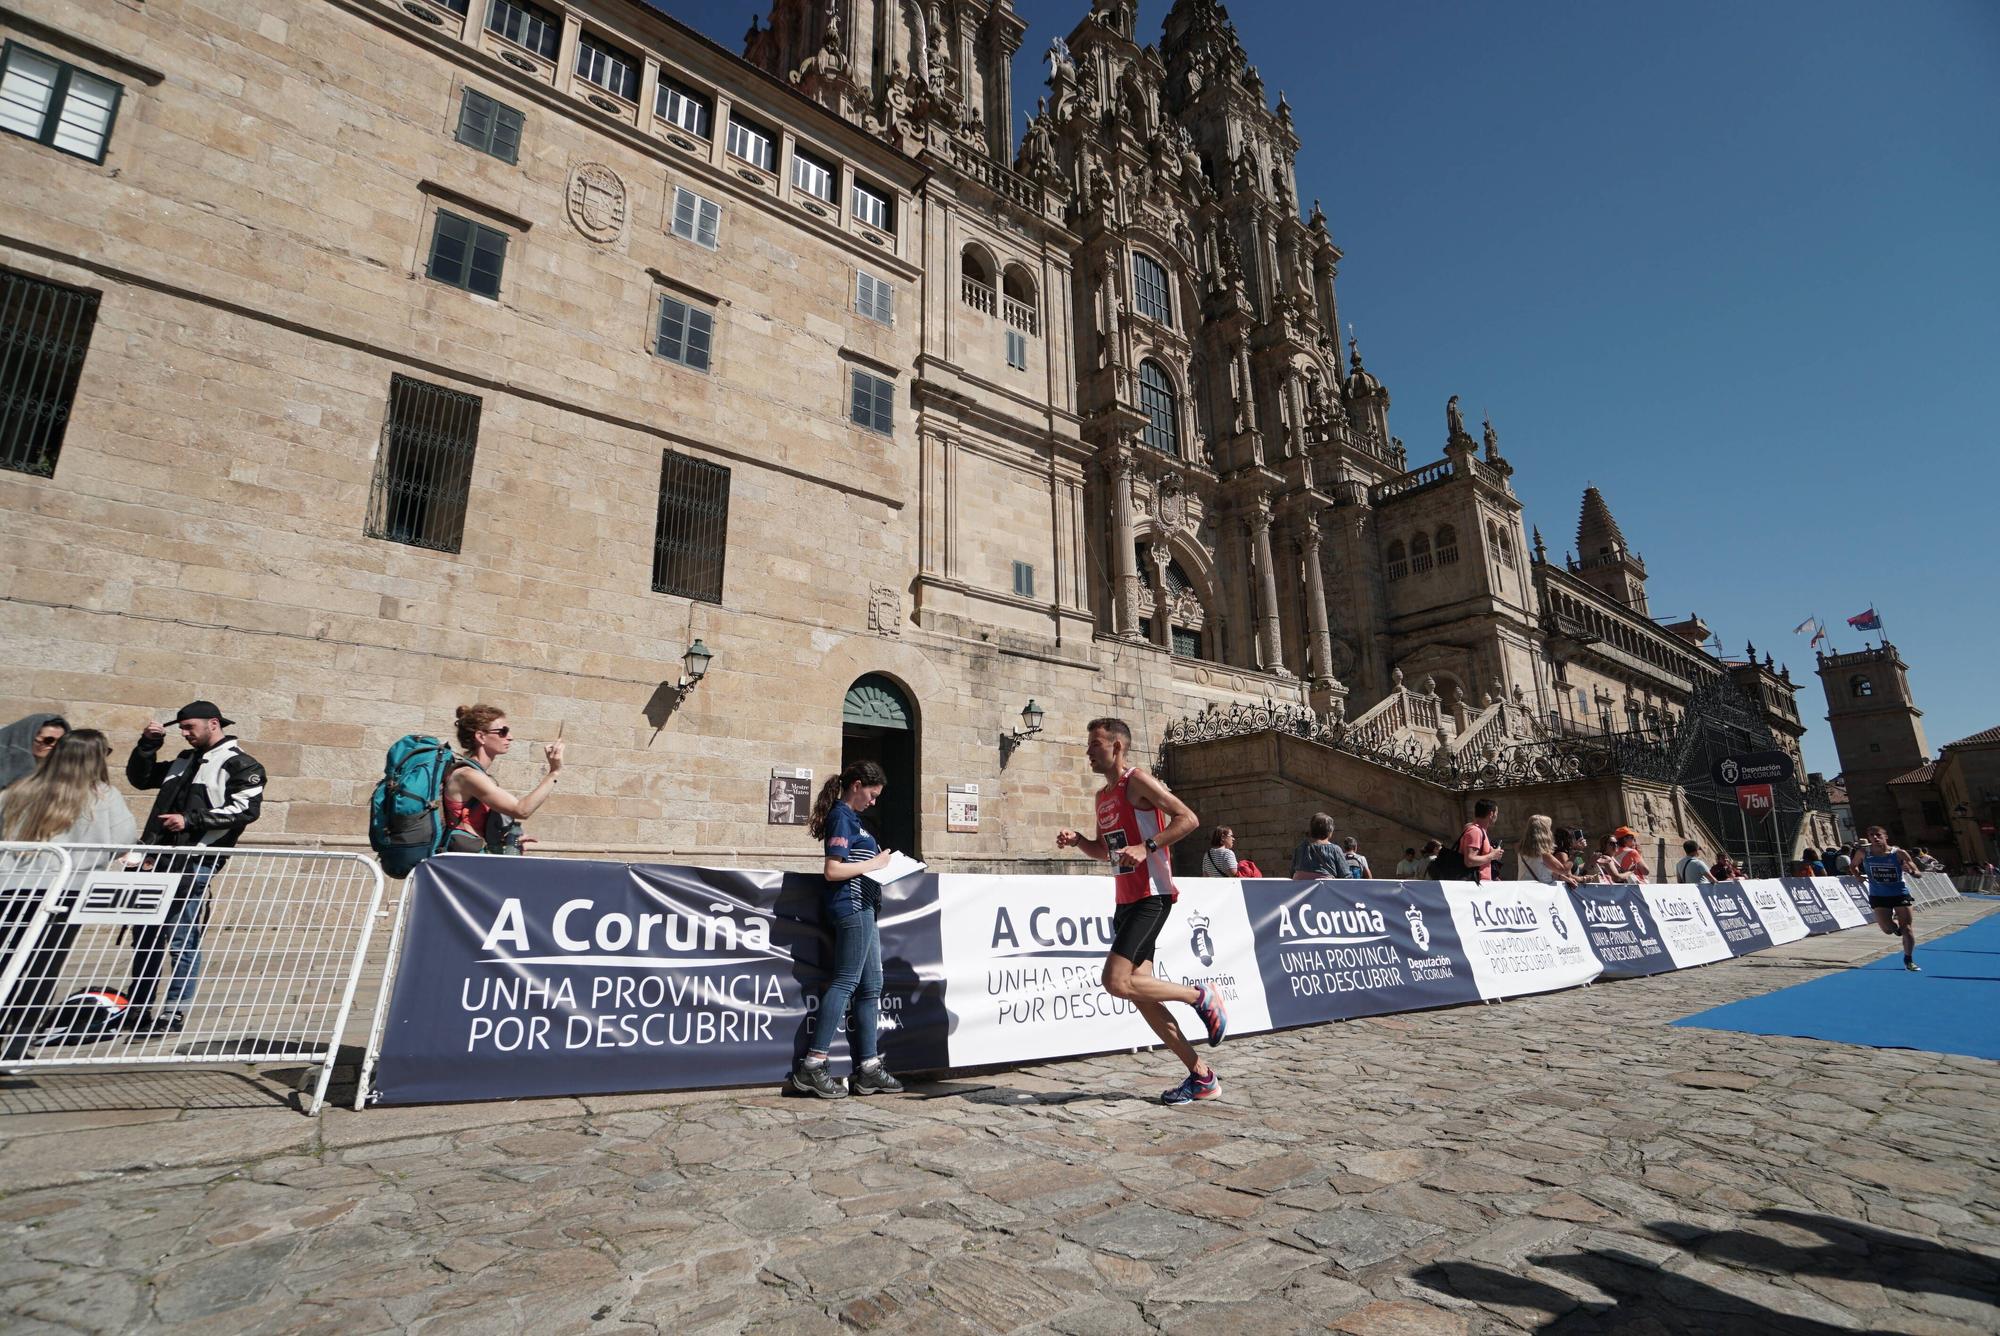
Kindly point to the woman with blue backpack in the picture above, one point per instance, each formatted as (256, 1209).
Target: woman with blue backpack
(471, 797)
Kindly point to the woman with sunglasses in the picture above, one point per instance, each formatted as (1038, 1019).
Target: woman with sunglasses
(470, 794)
(26, 743)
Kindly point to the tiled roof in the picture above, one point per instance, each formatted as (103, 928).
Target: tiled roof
(1978, 739)
(1921, 775)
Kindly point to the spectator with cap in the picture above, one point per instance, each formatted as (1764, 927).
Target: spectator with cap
(208, 795)
(1631, 864)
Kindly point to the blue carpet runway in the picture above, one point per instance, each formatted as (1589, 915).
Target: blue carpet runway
(1953, 1006)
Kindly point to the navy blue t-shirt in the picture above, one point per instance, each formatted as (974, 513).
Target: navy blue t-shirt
(848, 841)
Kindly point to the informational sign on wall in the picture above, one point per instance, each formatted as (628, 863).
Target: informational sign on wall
(961, 808)
(791, 796)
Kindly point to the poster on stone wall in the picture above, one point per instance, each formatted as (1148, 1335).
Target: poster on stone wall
(791, 796)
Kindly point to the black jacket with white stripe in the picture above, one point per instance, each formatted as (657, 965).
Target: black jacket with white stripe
(219, 789)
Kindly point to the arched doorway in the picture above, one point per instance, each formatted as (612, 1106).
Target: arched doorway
(878, 723)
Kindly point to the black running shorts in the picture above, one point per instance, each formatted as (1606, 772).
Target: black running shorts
(1135, 927)
(1890, 901)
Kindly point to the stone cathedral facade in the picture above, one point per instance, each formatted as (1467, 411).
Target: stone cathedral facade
(374, 356)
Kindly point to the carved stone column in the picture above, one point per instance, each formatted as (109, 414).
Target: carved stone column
(1125, 559)
(1267, 587)
(1324, 684)
(1157, 557)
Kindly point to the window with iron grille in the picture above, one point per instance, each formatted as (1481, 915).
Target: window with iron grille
(467, 255)
(611, 68)
(1024, 580)
(1149, 289)
(1187, 643)
(1017, 350)
(1157, 402)
(814, 175)
(872, 207)
(44, 333)
(526, 25)
(752, 143)
(489, 126)
(696, 219)
(53, 102)
(424, 473)
(685, 335)
(872, 403)
(874, 298)
(693, 528)
(680, 105)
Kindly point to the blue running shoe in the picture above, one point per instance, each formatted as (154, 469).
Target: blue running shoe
(1194, 1088)
(1215, 1016)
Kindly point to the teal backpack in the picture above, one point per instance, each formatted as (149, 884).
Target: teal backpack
(406, 815)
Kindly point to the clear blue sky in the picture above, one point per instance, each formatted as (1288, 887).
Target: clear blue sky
(1737, 264)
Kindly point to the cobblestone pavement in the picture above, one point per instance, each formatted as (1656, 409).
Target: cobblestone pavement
(1565, 1163)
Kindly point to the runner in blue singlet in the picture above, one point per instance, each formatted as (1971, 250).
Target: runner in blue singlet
(1883, 864)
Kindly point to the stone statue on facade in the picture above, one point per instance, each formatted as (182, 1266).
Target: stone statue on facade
(1059, 59)
(1454, 420)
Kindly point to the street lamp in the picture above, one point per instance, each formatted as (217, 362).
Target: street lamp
(694, 667)
(1031, 724)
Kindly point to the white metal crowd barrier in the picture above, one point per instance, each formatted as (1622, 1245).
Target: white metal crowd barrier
(1932, 888)
(142, 957)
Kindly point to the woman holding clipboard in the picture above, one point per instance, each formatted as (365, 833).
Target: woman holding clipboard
(849, 902)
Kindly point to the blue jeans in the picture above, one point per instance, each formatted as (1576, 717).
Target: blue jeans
(180, 933)
(857, 978)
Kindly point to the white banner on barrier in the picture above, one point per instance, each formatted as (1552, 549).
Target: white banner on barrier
(1520, 937)
(1025, 956)
(1686, 926)
(1838, 902)
(1775, 910)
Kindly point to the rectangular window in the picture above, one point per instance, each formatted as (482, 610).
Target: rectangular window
(1187, 644)
(55, 103)
(685, 335)
(1024, 580)
(611, 68)
(1017, 350)
(1149, 289)
(467, 255)
(44, 333)
(424, 475)
(752, 143)
(872, 403)
(695, 218)
(489, 126)
(693, 528)
(526, 25)
(813, 174)
(874, 298)
(872, 207)
(677, 104)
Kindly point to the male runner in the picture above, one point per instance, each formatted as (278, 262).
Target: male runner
(1888, 894)
(1131, 836)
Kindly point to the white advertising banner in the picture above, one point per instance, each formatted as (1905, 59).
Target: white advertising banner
(1688, 929)
(1775, 910)
(1839, 903)
(1520, 937)
(1024, 959)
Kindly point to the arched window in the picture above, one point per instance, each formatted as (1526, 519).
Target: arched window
(1162, 409)
(1399, 563)
(1017, 299)
(1420, 553)
(1447, 546)
(976, 280)
(1859, 685)
(1149, 289)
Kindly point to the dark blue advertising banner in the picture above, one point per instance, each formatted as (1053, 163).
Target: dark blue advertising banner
(1622, 931)
(1329, 950)
(1735, 916)
(524, 977)
(1805, 898)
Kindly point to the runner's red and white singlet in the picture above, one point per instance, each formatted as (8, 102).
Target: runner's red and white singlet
(1119, 825)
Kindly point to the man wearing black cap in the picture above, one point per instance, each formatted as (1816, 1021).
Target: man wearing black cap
(208, 794)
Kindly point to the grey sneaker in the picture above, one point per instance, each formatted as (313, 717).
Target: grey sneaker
(874, 1079)
(814, 1079)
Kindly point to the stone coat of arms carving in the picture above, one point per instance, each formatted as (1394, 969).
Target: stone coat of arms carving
(597, 201)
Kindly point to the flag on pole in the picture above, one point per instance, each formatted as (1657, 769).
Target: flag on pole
(1865, 621)
(1801, 628)
(1819, 634)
